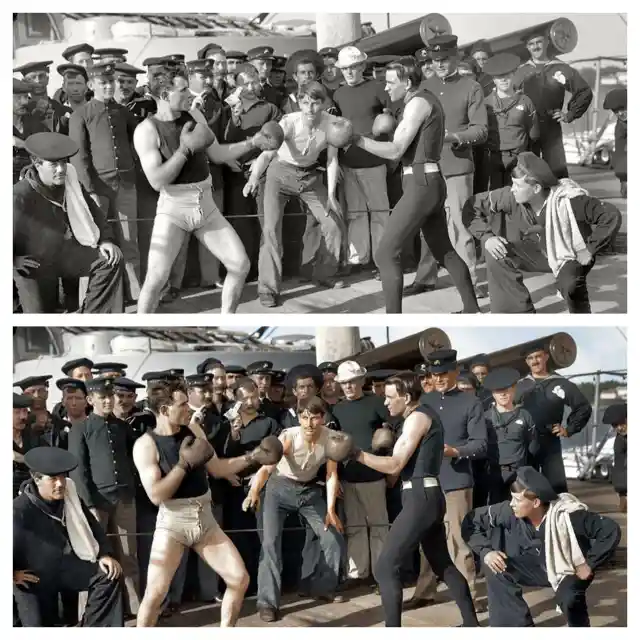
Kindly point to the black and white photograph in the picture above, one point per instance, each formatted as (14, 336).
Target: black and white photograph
(319, 163)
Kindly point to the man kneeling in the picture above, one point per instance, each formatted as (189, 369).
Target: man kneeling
(59, 546)
(550, 540)
(292, 489)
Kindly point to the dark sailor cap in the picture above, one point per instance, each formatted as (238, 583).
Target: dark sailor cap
(75, 68)
(126, 384)
(110, 52)
(126, 69)
(68, 367)
(480, 359)
(535, 482)
(236, 55)
(328, 52)
(616, 100)
(422, 369)
(262, 367)
(260, 53)
(328, 367)
(155, 62)
(381, 374)
(100, 385)
(200, 66)
(443, 360)
(208, 365)
(615, 414)
(51, 146)
(50, 461)
(107, 367)
(443, 46)
(71, 383)
(22, 401)
(102, 70)
(304, 371)
(423, 55)
(69, 52)
(501, 64)
(533, 347)
(537, 169)
(198, 380)
(21, 87)
(33, 381)
(278, 377)
(212, 46)
(502, 378)
(236, 369)
(169, 375)
(29, 67)
(482, 45)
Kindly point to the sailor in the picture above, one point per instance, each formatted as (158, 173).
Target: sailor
(24, 439)
(262, 59)
(616, 416)
(616, 100)
(109, 55)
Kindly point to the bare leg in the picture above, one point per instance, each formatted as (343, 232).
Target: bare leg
(166, 554)
(219, 237)
(221, 555)
(166, 240)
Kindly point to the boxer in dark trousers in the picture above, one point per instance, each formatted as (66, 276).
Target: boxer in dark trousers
(616, 416)
(528, 525)
(545, 395)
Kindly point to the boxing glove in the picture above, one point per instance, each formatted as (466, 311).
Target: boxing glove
(384, 124)
(270, 137)
(340, 447)
(382, 441)
(268, 452)
(194, 453)
(196, 137)
(340, 133)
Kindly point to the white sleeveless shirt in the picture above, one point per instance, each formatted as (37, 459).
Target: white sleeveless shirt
(301, 463)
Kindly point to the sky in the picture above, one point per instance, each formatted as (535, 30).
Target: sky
(594, 352)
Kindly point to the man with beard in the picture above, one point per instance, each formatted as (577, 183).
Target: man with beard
(105, 164)
(540, 224)
(546, 395)
(24, 439)
(550, 540)
(58, 546)
(50, 112)
(105, 478)
(330, 391)
(262, 59)
(24, 124)
(616, 100)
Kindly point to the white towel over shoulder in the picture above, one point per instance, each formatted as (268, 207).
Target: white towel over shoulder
(82, 540)
(83, 226)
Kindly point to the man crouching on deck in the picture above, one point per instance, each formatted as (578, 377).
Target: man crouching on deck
(173, 467)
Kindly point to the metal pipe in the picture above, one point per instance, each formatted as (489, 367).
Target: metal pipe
(596, 98)
(595, 414)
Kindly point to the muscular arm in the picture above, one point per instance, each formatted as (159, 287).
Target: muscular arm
(416, 112)
(221, 153)
(261, 164)
(263, 474)
(145, 457)
(332, 170)
(414, 429)
(333, 484)
(159, 173)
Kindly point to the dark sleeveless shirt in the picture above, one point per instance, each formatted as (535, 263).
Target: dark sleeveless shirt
(196, 168)
(195, 482)
(427, 143)
(426, 460)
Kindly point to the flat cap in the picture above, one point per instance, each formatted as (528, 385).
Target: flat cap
(68, 367)
(443, 46)
(33, 381)
(381, 374)
(615, 414)
(479, 359)
(422, 369)
(616, 100)
(237, 369)
(236, 55)
(110, 52)
(263, 367)
(74, 68)
(29, 67)
(109, 367)
(71, 51)
(533, 347)
(443, 360)
(22, 401)
(484, 46)
(102, 70)
(126, 69)
(468, 378)
(278, 377)
(535, 482)
(51, 146)
(211, 47)
(209, 365)
(260, 53)
(198, 380)
(328, 52)
(100, 384)
(537, 169)
(423, 55)
(304, 371)
(71, 383)
(502, 378)
(126, 384)
(50, 461)
(21, 87)
(501, 64)
(330, 367)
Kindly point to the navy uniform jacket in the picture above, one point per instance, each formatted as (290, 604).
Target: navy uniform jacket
(546, 400)
(546, 85)
(465, 429)
(271, 94)
(512, 437)
(619, 475)
(496, 213)
(40, 542)
(597, 535)
(30, 440)
(21, 158)
(40, 228)
(54, 115)
(141, 107)
(105, 471)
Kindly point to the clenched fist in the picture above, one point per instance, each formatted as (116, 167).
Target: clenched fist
(194, 453)
(196, 137)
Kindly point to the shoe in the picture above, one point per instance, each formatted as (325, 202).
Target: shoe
(418, 603)
(171, 294)
(267, 614)
(416, 288)
(268, 300)
(330, 598)
(328, 284)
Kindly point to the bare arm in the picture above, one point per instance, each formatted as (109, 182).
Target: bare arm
(221, 153)
(265, 471)
(145, 457)
(415, 113)
(333, 169)
(159, 173)
(414, 429)
(261, 164)
(333, 485)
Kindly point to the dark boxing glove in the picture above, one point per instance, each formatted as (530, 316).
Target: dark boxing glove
(270, 137)
(194, 453)
(268, 452)
(383, 441)
(196, 138)
(340, 447)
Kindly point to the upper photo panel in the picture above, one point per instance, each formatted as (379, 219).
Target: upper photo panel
(319, 163)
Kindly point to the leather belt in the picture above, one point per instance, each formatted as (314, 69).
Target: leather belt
(429, 167)
(426, 483)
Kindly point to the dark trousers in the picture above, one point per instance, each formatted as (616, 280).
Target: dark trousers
(481, 169)
(550, 147)
(39, 291)
(37, 605)
(421, 522)
(507, 607)
(481, 483)
(420, 208)
(284, 496)
(507, 291)
(501, 164)
(549, 462)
